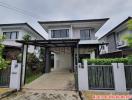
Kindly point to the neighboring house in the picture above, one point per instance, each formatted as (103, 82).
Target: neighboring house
(14, 32)
(68, 31)
(117, 47)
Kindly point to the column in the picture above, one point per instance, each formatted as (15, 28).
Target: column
(72, 56)
(24, 61)
(47, 60)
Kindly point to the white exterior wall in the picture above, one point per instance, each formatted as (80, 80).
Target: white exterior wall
(12, 42)
(20, 37)
(63, 60)
(74, 33)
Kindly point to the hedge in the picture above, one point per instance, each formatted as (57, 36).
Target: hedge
(108, 61)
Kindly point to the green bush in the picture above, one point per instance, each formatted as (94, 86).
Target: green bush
(32, 60)
(3, 62)
(108, 61)
(129, 59)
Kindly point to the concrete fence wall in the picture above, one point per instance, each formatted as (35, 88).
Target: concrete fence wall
(118, 75)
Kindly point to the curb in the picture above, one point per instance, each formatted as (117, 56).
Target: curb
(7, 93)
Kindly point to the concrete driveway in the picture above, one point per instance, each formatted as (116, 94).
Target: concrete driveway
(57, 85)
(56, 80)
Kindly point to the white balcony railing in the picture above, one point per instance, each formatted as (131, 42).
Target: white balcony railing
(121, 44)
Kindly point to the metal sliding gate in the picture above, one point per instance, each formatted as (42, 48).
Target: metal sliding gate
(128, 75)
(5, 77)
(100, 77)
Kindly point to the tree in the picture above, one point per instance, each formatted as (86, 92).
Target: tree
(26, 37)
(3, 62)
(128, 37)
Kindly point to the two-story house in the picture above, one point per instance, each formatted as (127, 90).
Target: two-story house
(16, 31)
(117, 46)
(64, 56)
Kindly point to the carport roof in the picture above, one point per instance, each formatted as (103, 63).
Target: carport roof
(58, 43)
(52, 43)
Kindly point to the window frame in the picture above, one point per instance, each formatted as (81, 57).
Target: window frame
(60, 33)
(10, 34)
(89, 34)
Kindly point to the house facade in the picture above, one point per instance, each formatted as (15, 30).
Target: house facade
(116, 44)
(16, 31)
(64, 56)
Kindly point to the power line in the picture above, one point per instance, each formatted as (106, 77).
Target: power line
(24, 12)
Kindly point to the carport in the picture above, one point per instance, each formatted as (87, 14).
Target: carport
(48, 45)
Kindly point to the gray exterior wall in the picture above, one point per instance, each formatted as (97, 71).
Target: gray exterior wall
(112, 42)
(115, 38)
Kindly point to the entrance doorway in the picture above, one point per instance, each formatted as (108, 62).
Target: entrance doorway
(52, 60)
(61, 59)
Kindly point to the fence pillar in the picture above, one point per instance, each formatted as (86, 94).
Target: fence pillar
(15, 75)
(83, 76)
(119, 77)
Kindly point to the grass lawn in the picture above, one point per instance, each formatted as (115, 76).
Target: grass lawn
(32, 77)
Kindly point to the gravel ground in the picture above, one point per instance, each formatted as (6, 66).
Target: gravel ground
(44, 95)
(88, 95)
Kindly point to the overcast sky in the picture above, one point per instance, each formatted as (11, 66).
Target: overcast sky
(43, 10)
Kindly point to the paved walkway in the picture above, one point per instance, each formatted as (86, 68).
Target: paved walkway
(56, 80)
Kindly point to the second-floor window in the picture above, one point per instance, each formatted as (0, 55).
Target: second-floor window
(85, 34)
(11, 35)
(62, 33)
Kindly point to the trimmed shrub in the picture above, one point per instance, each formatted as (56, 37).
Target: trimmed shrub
(107, 61)
(129, 59)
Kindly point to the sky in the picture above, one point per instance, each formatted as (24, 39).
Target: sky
(31, 11)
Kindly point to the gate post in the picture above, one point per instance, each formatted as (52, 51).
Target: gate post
(15, 75)
(119, 77)
(83, 76)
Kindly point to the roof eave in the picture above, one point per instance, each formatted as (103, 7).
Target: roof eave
(116, 27)
(19, 24)
(72, 21)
